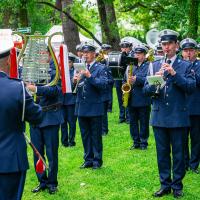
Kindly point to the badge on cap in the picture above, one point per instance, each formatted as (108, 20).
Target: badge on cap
(140, 48)
(106, 46)
(168, 35)
(125, 44)
(88, 47)
(188, 43)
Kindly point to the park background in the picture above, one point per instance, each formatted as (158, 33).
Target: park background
(115, 19)
(125, 174)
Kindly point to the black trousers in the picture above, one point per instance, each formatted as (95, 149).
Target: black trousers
(46, 140)
(68, 128)
(91, 134)
(170, 140)
(105, 118)
(12, 185)
(192, 157)
(139, 125)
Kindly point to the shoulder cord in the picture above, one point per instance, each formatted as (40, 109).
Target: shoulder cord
(24, 101)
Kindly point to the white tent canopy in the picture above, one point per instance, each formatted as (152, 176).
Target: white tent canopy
(60, 39)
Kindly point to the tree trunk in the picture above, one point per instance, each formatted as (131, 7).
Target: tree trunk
(70, 29)
(109, 25)
(112, 21)
(104, 25)
(6, 17)
(193, 18)
(23, 14)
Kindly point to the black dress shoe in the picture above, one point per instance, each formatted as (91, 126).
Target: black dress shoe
(196, 171)
(39, 188)
(143, 148)
(86, 165)
(65, 145)
(97, 166)
(134, 147)
(104, 133)
(122, 121)
(52, 189)
(72, 144)
(178, 193)
(162, 192)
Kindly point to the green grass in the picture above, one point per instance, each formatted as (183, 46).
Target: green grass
(125, 174)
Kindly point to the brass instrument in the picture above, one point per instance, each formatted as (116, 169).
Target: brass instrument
(198, 55)
(150, 55)
(101, 56)
(126, 87)
(34, 54)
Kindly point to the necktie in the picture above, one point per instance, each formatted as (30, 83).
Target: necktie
(169, 62)
(88, 66)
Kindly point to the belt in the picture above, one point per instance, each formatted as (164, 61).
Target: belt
(53, 107)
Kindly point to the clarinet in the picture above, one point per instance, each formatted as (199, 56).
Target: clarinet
(158, 87)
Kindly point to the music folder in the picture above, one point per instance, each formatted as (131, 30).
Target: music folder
(155, 80)
(79, 66)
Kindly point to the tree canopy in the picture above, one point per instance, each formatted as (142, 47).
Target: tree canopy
(134, 17)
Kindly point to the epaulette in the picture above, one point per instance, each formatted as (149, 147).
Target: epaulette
(158, 61)
(99, 65)
(184, 61)
(196, 62)
(15, 79)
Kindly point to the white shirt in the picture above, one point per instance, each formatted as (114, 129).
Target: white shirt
(172, 59)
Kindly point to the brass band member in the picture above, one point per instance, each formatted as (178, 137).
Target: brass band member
(170, 118)
(189, 52)
(89, 107)
(14, 99)
(139, 104)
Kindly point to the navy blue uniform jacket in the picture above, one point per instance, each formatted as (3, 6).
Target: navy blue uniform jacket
(13, 147)
(194, 98)
(170, 107)
(89, 100)
(49, 95)
(137, 96)
(107, 93)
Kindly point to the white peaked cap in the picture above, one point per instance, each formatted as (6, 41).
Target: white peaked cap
(6, 42)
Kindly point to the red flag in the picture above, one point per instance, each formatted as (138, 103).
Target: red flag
(64, 65)
(40, 167)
